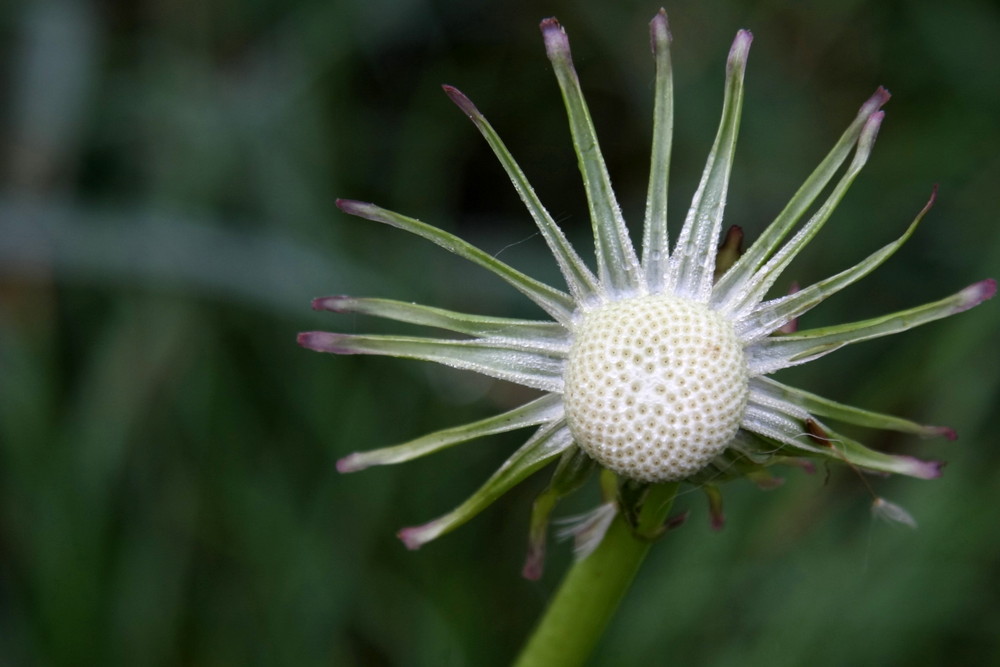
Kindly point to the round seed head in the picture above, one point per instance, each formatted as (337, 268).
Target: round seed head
(655, 386)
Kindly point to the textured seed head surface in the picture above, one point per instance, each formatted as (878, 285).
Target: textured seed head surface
(655, 386)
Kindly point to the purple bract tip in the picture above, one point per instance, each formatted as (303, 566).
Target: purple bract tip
(946, 432)
(556, 42)
(334, 304)
(350, 463)
(930, 200)
(411, 537)
(461, 101)
(925, 469)
(734, 236)
(676, 521)
(305, 338)
(322, 341)
(659, 31)
(807, 466)
(769, 483)
(549, 24)
(870, 131)
(975, 294)
(792, 325)
(873, 122)
(532, 570)
(875, 102)
(352, 206)
(740, 49)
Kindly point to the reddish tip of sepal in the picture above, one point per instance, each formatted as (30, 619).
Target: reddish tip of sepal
(411, 537)
(333, 304)
(740, 49)
(305, 339)
(975, 294)
(732, 242)
(875, 102)
(678, 520)
(946, 432)
(926, 469)
(930, 200)
(735, 235)
(807, 466)
(534, 564)
(550, 24)
(322, 341)
(802, 463)
(870, 130)
(556, 41)
(461, 101)
(350, 463)
(353, 206)
(792, 325)
(768, 482)
(659, 31)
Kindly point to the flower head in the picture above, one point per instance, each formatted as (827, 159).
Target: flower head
(655, 368)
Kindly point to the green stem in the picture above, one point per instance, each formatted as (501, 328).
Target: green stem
(594, 586)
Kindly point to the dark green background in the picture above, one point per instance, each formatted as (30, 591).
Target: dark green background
(167, 485)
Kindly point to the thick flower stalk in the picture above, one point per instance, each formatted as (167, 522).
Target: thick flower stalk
(655, 369)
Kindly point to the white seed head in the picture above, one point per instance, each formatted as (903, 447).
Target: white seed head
(655, 386)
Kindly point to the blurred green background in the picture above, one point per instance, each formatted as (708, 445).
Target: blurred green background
(167, 485)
